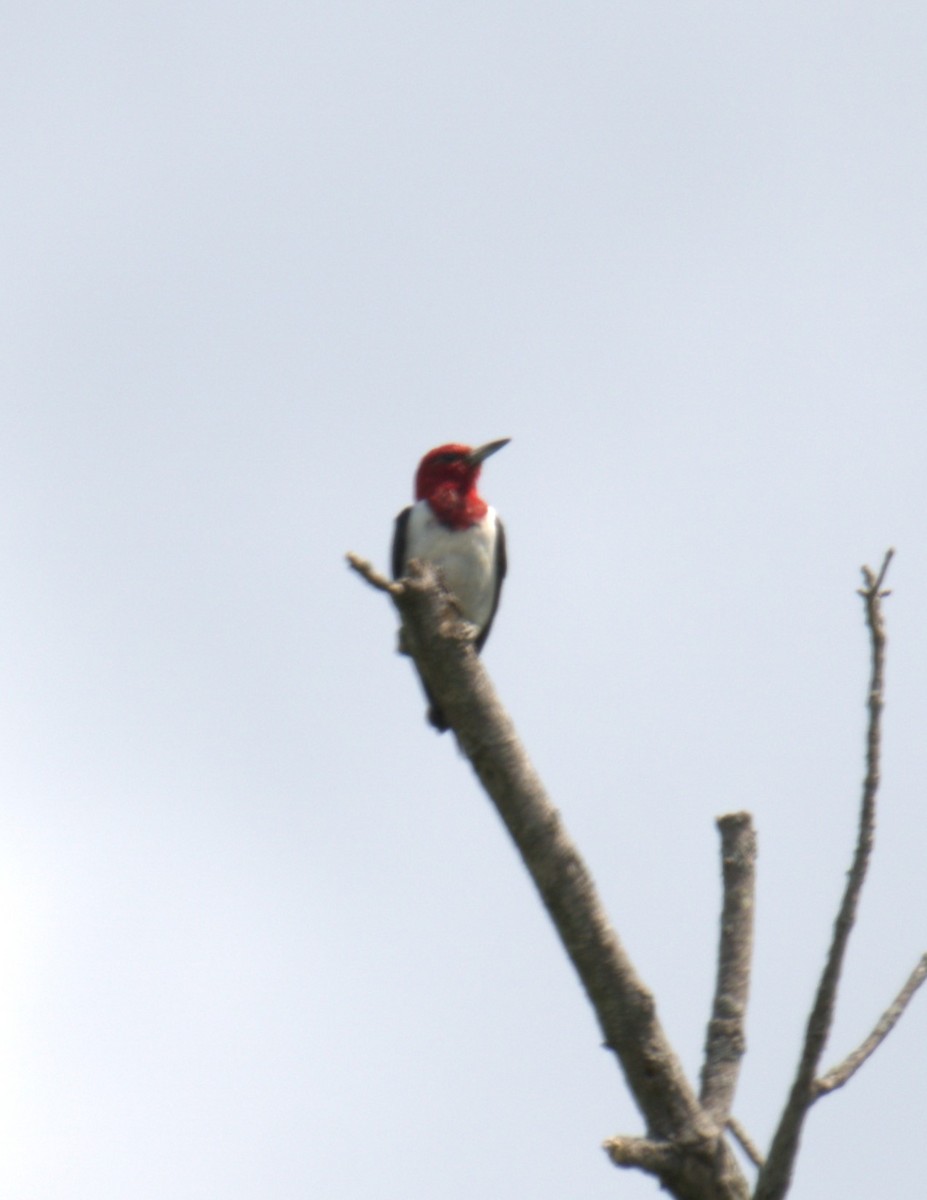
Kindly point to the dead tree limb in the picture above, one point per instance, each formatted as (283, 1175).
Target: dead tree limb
(685, 1148)
(844, 1072)
(726, 1042)
(776, 1174)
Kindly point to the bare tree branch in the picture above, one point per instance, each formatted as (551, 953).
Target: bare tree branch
(725, 1042)
(369, 572)
(745, 1142)
(697, 1163)
(655, 1158)
(841, 1074)
(681, 1170)
(775, 1176)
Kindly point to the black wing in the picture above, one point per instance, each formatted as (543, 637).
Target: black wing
(400, 538)
(399, 542)
(502, 565)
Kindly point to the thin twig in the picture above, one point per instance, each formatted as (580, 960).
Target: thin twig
(839, 1075)
(369, 572)
(775, 1177)
(746, 1143)
(725, 1041)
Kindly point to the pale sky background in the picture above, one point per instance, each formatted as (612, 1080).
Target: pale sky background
(262, 935)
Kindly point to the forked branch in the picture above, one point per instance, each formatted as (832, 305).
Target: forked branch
(684, 1147)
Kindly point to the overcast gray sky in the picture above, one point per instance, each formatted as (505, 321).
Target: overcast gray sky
(262, 934)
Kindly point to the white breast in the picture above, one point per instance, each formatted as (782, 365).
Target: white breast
(466, 558)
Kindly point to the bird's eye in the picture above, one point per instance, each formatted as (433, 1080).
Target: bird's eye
(449, 458)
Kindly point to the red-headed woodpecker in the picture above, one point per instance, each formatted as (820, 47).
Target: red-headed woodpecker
(452, 527)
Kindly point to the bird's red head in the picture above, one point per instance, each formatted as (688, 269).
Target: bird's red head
(446, 478)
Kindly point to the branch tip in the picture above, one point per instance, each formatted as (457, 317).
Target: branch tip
(725, 1040)
(653, 1157)
(367, 571)
(874, 582)
(775, 1176)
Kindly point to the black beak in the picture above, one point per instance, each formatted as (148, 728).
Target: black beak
(481, 453)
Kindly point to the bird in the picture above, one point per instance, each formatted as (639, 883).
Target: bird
(451, 527)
